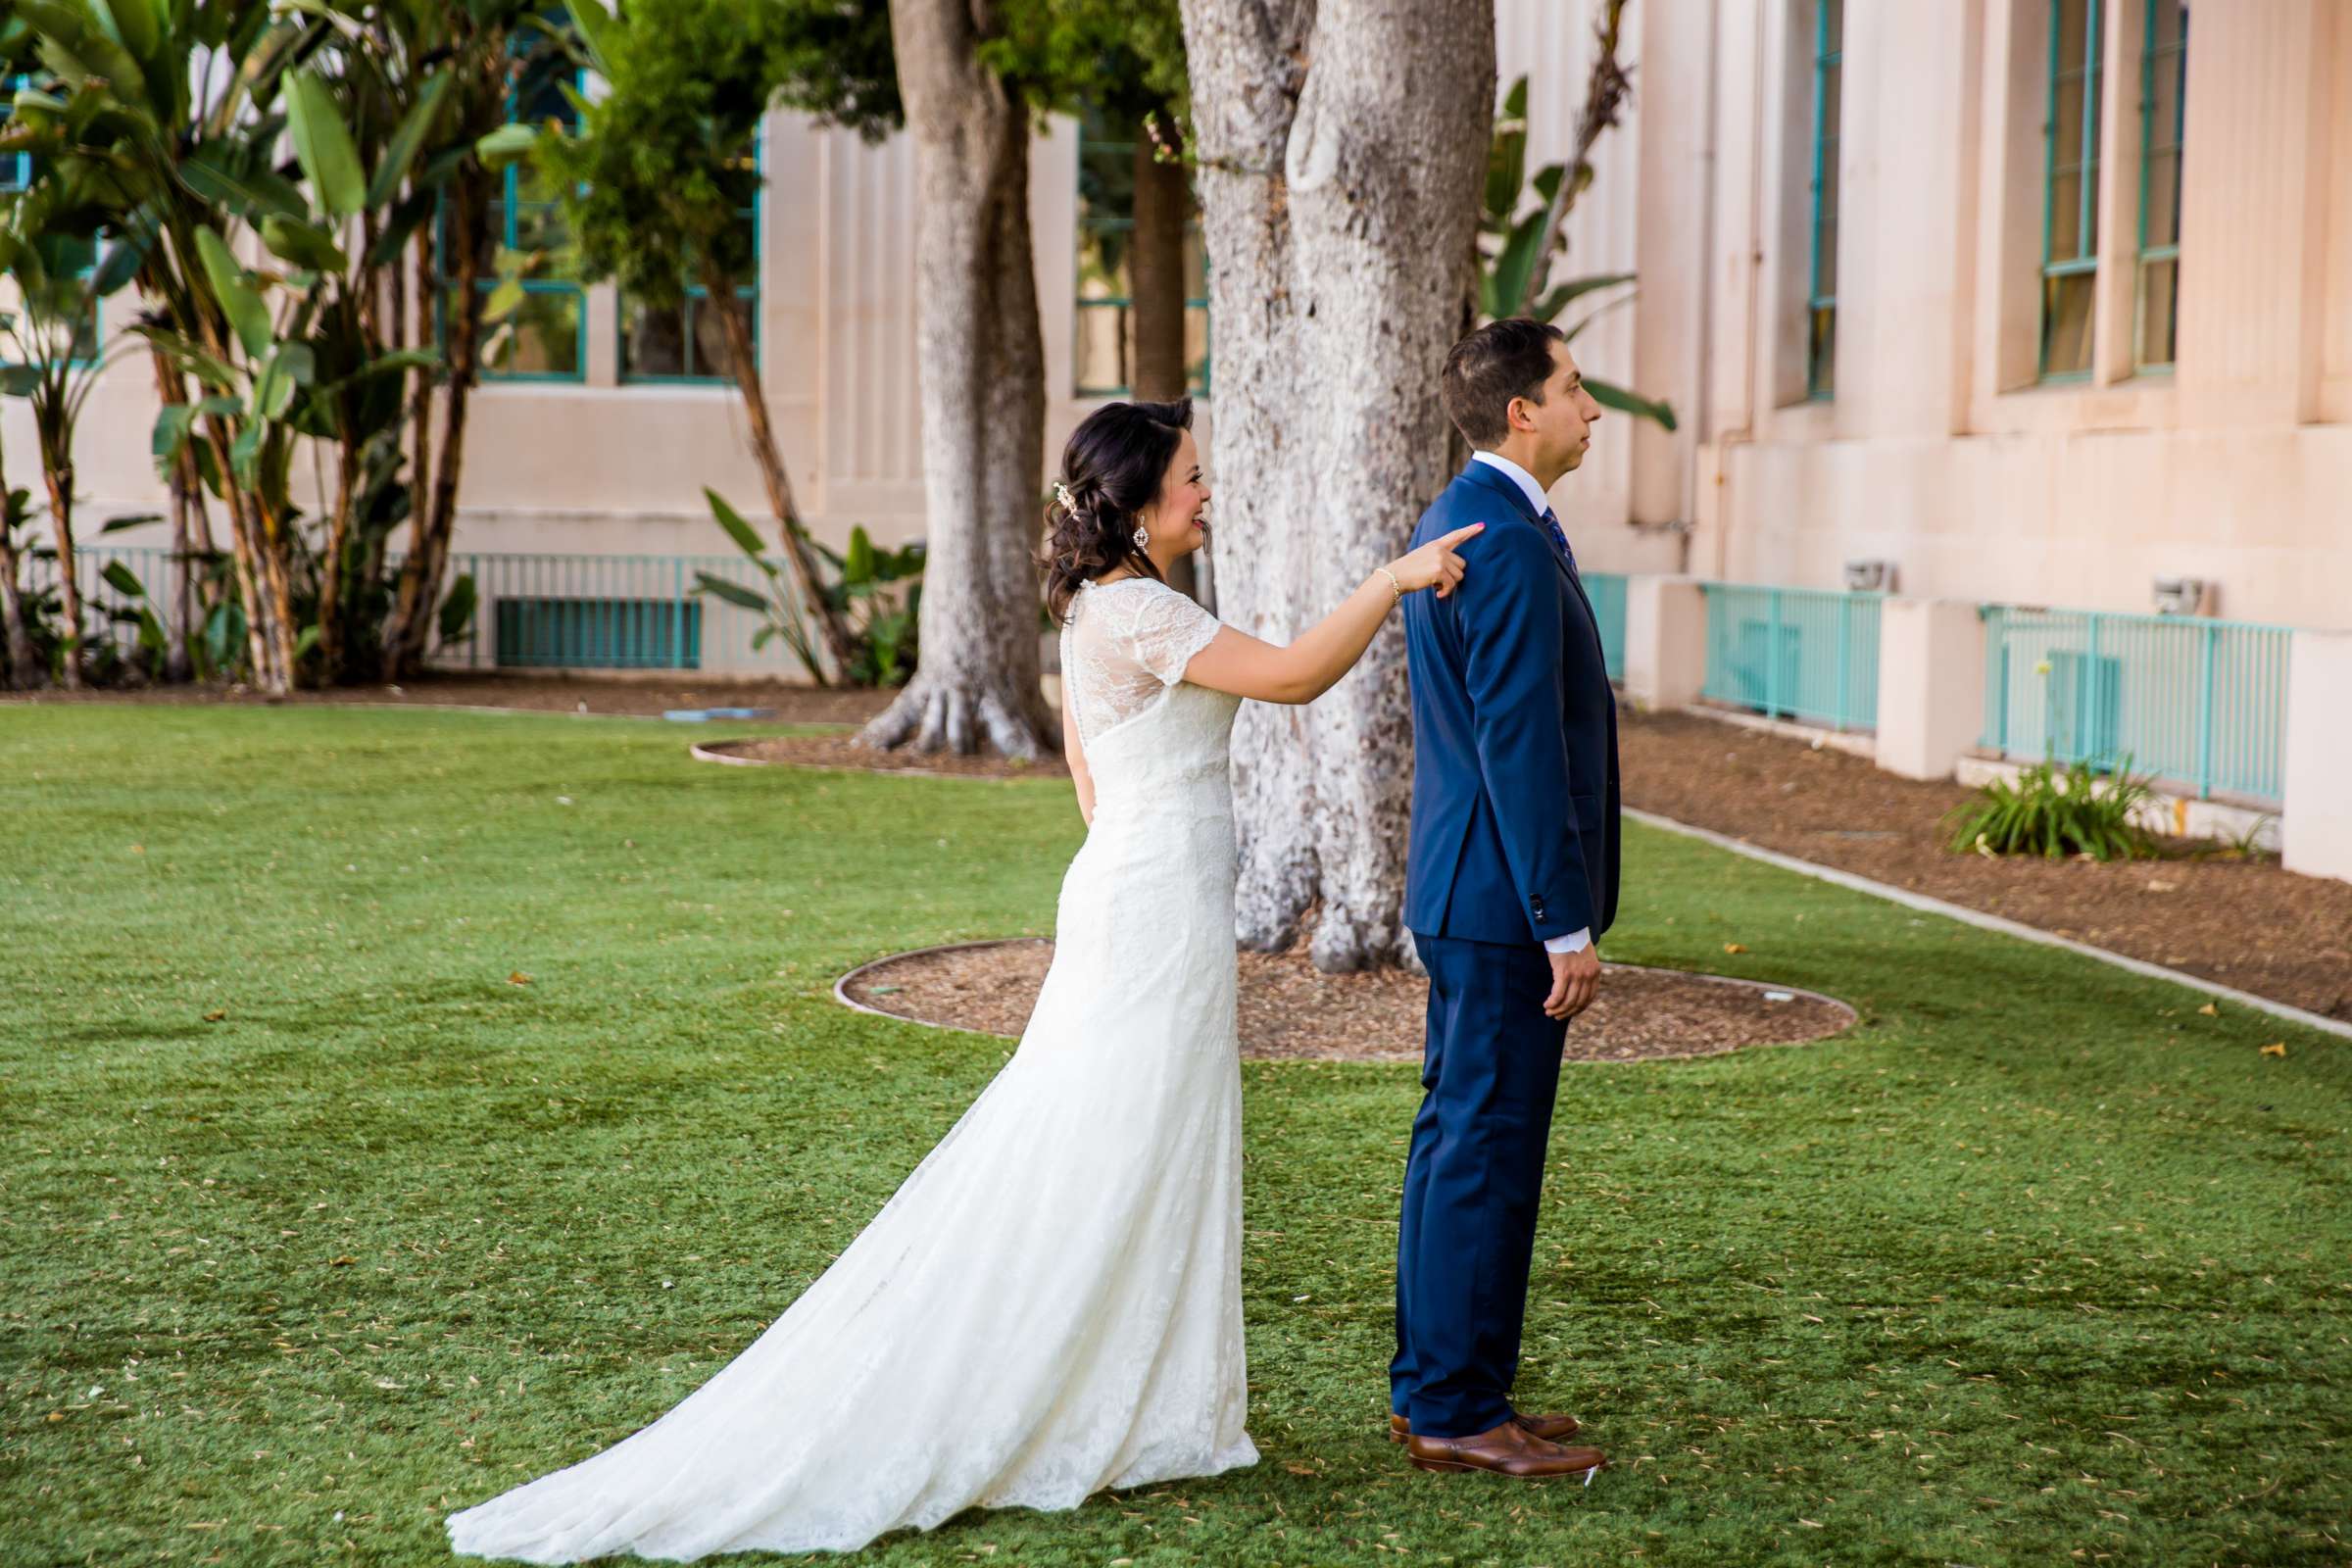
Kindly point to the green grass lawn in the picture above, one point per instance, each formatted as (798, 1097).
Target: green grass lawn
(322, 1221)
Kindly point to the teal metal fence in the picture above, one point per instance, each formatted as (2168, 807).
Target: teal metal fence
(531, 611)
(1606, 590)
(1806, 654)
(109, 613)
(2196, 703)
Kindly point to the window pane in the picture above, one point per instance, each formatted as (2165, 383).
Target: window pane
(2072, 17)
(1101, 343)
(1196, 348)
(1832, 98)
(1834, 21)
(1820, 363)
(1825, 252)
(2066, 218)
(2163, 196)
(653, 341)
(2066, 125)
(710, 357)
(541, 338)
(1102, 265)
(2065, 325)
(538, 226)
(2159, 300)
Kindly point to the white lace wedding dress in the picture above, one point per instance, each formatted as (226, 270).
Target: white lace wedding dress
(1051, 1304)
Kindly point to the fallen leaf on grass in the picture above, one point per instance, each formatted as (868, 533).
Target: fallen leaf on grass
(2278, 1050)
(2210, 1011)
(214, 1017)
(518, 978)
(1735, 947)
(1301, 1469)
(339, 1262)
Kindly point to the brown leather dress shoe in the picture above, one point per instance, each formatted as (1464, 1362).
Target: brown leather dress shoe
(1507, 1449)
(1550, 1428)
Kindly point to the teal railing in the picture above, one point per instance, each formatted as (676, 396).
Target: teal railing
(108, 614)
(1606, 590)
(532, 610)
(1806, 654)
(2194, 702)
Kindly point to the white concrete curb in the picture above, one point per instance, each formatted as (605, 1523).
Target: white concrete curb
(1991, 922)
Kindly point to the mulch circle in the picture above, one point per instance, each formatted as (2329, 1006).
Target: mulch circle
(842, 751)
(1291, 1012)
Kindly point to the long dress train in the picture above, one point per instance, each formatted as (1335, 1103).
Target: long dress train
(1050, 1303)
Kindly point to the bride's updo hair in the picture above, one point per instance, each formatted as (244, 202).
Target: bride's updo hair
(1111, 471)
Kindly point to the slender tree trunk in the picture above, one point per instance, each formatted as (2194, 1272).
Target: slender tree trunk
(23, 670)
(245, 549)
(420, 394)
(331, 570)
(187, 505)
(59, 472)
(1337, 210)
(743, 354)
(1164, 205)
(420, 575)
(983, 398)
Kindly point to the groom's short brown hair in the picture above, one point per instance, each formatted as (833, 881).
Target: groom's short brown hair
(1500, 361)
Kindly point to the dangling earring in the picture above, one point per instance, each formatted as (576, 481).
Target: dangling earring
(1143, 537)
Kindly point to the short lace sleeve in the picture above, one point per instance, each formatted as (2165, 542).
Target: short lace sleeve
(1166, 631)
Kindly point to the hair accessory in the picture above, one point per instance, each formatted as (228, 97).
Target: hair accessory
(1061, 493)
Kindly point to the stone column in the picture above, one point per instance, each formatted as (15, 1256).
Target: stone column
(1931, 685)
(2315, 823)
(1665, 641)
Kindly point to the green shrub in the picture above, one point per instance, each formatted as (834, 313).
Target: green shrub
(2056, 812)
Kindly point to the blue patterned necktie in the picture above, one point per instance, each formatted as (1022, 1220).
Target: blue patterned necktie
(1559, 536)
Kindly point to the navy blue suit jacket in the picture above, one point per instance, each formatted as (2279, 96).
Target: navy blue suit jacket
(1514, 835)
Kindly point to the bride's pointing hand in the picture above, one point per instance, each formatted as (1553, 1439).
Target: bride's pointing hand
(1434, 565)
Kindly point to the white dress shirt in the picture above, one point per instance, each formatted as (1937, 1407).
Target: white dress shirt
(1574, 941)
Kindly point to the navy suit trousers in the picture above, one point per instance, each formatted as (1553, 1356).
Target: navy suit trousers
(1473, 1182)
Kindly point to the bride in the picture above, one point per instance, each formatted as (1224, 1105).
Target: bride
(1051, 1304)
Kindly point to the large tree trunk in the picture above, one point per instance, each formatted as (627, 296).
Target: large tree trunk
(432, 523)
(1337, 211)
(1164, 205)
(744, 359)
(983, 398)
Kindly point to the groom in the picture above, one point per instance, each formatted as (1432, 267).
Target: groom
(1512, 876)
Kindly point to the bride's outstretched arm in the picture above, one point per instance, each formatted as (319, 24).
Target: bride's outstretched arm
(1246, 666)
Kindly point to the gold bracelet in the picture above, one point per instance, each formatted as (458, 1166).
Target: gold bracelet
(1397, 587)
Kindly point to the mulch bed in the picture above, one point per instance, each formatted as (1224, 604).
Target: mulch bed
(2247, 923)
(843, 751)
(1290, 1012)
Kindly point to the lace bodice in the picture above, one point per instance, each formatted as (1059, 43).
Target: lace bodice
(1123, 644)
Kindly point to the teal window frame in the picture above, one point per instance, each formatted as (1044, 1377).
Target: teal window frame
(2056, 270)
(2152, 56)
(16, 168)
(19, 166)
(510, 199)
(1092, 224)
(1820, 303)
(696, 291)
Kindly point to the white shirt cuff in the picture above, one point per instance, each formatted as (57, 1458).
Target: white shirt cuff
(1573, 941)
